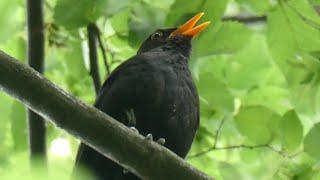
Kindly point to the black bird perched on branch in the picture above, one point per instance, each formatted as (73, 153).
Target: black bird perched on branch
(154, 92)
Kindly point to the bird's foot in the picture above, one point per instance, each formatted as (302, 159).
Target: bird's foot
(149, 137)
(134, 129)
(160, 141)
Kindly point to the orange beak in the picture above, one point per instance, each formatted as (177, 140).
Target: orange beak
(188, 28)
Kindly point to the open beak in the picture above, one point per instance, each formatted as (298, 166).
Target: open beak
(188, 28)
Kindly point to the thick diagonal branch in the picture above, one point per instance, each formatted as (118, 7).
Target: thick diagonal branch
(146, 159)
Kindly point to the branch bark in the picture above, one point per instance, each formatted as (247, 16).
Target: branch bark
(37, 127)
(246, 19)
(146, 159)
(94, 69)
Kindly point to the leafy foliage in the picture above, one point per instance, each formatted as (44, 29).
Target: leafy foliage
(258, 82)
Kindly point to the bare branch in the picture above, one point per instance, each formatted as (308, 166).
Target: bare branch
(218, 131)
(246, 19)
(94, 69)
(103, 50)
(228, 148)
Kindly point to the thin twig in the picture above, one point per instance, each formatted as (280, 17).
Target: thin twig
(242, 146)
(103, 50)
(218, 131)
(263, 18)
(94, 69)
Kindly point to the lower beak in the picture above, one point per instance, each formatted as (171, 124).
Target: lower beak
(188, 28)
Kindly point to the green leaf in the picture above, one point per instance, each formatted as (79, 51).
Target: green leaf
(250, 66)
(275, 98)
(221, 38)
(259, 7)
(257, 123)
(291, 131)
(229, 171)
(115, 6)
(305, 9)
(120, 22)
(311, 142)
(16, 47)
(215, 93)
(73, 14)
(214, 10)
(12, 18)
(5, 110)
(281, 43)
(18, 126)
(144, 19)
(182, 11)
(295, 35)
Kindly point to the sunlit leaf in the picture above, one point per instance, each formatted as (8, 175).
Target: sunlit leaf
(250, 66)
(11, 19)
(74, 14)
(221, 38)
(258, 123)
(305, 9)
(215, 93)
(291, 131)
(311, 142)
(144, 19)
(259, 7)
(18, 126)
(273, 97)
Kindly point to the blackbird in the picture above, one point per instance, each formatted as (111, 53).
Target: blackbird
(152, 91)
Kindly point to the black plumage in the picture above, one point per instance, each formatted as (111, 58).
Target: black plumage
(154, 92)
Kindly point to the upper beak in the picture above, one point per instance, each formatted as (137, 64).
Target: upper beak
(188, 28)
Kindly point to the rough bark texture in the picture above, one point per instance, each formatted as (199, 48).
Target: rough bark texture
(36, 124)
(146, 159)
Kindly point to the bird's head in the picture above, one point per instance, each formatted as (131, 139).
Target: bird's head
(175, 38)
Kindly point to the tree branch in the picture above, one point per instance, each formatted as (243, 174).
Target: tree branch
(103, 51)
(146, 159)
(228, 148)
(218, 131)
(37, 128)
(259, 19)
(94, 69)
(246, 19)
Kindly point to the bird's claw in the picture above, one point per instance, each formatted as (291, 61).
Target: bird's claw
(134, 129)
(149, 137)
(161, 141)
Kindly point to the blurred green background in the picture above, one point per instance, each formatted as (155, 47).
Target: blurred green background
(258, 80)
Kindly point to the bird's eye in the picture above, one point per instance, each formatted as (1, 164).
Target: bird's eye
(156, 35)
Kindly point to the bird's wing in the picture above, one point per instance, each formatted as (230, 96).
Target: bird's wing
(131, 82)
(134, 81)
